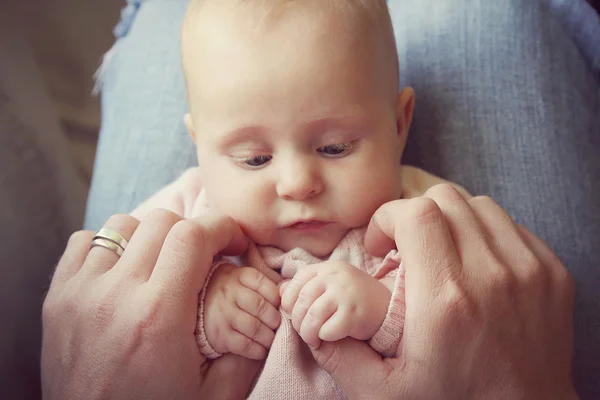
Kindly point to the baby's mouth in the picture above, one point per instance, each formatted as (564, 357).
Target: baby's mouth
(308, 226)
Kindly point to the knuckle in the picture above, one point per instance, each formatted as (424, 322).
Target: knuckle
(444, 190)
(79, 237)
(187, 233)
(533, 271)
(304, 297)
(224, 292)
(531, 262)
(482, 200)
(259, 278)
(256, 327)
(161, 214)
(423, 209)
(119, 220)
(48, 309)
(504, 280)
(245, 344)
(352, 309)
(262, 308)
(303, 275)
(313, 314)
(566, 283)
(458, 304)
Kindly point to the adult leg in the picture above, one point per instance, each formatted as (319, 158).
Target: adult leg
(143, 142)
(508, 106)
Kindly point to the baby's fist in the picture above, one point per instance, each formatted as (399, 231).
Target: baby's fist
(241, 312)
(334, 300)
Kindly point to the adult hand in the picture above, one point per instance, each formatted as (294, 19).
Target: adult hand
(123, 328)
(488, 308)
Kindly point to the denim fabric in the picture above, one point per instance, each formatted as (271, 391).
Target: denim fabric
(508, 104)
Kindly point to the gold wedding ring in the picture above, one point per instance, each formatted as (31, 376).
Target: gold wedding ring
(107, 244)
(113, 236)
(110, 240)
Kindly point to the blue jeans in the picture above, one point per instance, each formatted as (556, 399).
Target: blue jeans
(508, 104)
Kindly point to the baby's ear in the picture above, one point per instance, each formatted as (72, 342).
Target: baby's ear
(404, 110)
(189, 124)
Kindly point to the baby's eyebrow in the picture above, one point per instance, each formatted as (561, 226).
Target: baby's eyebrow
(240, 135)
(257, 133)
(354, 121)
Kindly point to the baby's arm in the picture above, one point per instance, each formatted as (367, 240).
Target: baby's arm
(334, 300)
(238, 313)
(179, 196)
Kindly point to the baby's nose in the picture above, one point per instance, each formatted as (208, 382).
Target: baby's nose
(299, 184)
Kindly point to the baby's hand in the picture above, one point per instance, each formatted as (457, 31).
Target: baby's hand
(241, 312)
(334, 300)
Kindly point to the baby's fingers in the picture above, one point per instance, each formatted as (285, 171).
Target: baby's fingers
(259, 283)
(311, 291)
(256, 305)
(336, 328)
(320, 311)
(244, 346)
(252, 328)
(291, 289)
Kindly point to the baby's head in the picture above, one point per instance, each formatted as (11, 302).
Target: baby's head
(295, 111)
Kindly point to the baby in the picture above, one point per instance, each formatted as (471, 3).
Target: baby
(299, 128)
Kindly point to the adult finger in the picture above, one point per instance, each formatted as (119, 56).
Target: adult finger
(188, 252)
(243, 369)
(139, 259)
(528, 257)
(429, 256)
(549, 260)
(351, 363)
(101, 259)
(503, 235)
(257, 306)
(73, 258)
(465, 229)
(259, 283)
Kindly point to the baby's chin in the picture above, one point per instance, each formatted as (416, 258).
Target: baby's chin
(316, 245)
(320, 250)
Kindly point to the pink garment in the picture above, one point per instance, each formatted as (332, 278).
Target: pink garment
(290, 371)
(277, 265)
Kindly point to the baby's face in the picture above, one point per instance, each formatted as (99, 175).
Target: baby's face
(299, 135)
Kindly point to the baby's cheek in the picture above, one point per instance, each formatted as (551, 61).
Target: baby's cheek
(256, 228)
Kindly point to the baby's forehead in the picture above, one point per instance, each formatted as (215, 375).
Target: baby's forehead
(216, 30)
(261, 16)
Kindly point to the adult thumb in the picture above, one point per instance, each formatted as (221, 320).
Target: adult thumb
(356, 368)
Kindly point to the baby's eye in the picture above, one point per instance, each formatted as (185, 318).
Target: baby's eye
(336, 150)
(253, 162)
